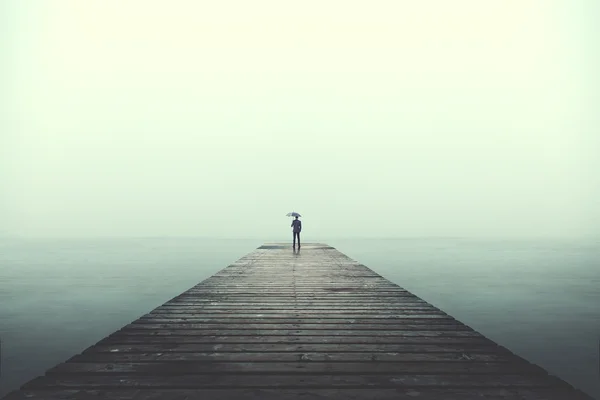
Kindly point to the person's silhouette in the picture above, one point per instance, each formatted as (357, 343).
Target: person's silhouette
(297, 225)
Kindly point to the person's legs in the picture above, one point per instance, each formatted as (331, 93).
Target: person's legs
(298, 239)
(294, 239)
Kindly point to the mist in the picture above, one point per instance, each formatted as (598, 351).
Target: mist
(371, 119)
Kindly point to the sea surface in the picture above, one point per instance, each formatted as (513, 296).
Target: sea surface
(539, 298)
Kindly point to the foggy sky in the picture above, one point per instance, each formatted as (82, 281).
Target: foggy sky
(372, 119)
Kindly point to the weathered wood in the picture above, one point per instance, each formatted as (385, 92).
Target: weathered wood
(299, 314)
(363, 368)
(278, 303)
(279, 307)
(296, 310)
(370, 393)
(296, 347)
(279, 325)
(383, 357)
(300, 299)
(298, 332)
(341, 327)
(201, 294)
(153, 319)
(285, 339)
(346, 294)
(292, 380)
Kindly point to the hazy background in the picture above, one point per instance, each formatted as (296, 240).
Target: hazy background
(379, 118)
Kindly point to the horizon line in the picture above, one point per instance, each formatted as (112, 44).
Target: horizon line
(267, 239)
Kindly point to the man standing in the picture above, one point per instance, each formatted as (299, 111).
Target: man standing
(297, 225)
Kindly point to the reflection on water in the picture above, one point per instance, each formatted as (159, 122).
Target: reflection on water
(538, 298)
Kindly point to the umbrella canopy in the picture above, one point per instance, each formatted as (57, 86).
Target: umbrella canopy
(293, 214)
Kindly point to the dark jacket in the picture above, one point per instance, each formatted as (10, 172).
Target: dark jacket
(297, 225)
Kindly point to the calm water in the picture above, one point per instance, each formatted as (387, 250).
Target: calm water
(541, 299)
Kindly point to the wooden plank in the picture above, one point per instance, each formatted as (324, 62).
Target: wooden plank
(299, 314)
(383, 357)
(296, 310)
(291, 307)
(295, 347)
(298, 332)
(266, 297)
(281, 284)
(334, 328)
(370, 393)
(298, 381)
(299, 304)
(327, 289)
(296, 294)
(278, 325)
(224, 319)
(331, 280)
(315, 368)
(276, 303)
(122, 338)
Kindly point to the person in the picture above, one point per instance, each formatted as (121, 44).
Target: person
(297, 225)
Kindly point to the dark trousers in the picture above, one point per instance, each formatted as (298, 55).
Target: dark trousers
(298, 235)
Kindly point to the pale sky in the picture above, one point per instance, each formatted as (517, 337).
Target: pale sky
(371, 118)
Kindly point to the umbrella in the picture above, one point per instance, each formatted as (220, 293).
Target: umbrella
(293, 214)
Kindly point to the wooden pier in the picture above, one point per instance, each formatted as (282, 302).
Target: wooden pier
(279, 325)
